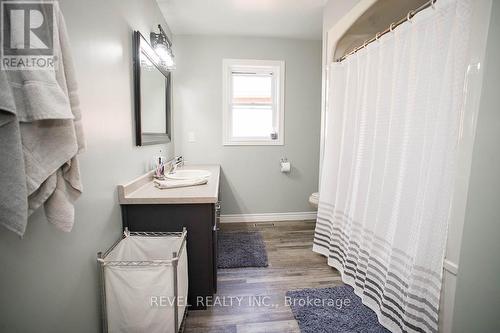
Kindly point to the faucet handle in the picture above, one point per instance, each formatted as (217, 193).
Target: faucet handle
(179, 160)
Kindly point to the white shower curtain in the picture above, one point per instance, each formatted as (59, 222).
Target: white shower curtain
(392, 128)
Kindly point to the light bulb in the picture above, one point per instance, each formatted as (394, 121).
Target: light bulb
(164, 54)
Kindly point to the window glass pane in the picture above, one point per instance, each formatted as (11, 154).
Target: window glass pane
(252, 89)
(252, 121)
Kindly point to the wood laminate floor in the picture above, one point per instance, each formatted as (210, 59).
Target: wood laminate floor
(258, 294)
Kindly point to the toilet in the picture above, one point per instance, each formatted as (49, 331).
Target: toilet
(314, 199)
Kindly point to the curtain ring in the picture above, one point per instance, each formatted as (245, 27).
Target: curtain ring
(410, 15)
(391, 27)
(364, 44)
(377, 36)
(433, 2)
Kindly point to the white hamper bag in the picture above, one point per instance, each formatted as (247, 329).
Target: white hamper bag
(144, 279)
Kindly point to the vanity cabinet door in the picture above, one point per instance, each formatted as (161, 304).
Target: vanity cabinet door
(199, 220)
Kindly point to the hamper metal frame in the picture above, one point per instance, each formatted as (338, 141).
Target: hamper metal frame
(170, 262)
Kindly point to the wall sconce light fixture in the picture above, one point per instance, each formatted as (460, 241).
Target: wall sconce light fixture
(163, 47)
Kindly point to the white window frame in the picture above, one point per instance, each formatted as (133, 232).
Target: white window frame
(278, 69)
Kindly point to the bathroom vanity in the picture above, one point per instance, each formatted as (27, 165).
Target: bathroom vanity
(147, 208)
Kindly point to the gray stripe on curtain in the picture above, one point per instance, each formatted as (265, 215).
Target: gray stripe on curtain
(384, 300)
(380, 245)
(391, 279)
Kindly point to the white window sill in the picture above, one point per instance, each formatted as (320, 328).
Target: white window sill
(254, 143)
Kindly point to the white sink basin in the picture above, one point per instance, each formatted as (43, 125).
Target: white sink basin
(188, 174)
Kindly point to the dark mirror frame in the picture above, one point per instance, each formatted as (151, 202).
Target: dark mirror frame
(141, 45)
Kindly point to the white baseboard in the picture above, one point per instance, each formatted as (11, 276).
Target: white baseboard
(269, 217)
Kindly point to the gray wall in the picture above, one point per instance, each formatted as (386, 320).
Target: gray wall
(48, 280)
(251, 182)
(478, 288)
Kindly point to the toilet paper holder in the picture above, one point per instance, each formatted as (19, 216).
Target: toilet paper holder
(285, 165)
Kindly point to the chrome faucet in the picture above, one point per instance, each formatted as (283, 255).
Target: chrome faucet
(175, 163)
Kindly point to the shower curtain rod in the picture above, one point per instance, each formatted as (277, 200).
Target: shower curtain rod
(391, 27)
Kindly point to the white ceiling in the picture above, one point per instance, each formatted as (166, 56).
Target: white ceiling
(264, 18)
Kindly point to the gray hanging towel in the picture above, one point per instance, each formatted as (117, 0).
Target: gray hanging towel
(13, 193)
(48, 110)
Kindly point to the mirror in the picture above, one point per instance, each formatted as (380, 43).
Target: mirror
(152, 90)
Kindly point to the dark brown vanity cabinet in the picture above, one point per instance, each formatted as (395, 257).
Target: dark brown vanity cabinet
(145, 208)
(201, 223)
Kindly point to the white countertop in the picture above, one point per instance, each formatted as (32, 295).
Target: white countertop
(142, 190)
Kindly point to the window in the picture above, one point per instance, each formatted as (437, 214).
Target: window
(253, 102)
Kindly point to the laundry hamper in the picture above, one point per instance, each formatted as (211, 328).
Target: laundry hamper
(144, 282)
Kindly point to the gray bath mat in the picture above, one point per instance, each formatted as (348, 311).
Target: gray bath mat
(335, 309)
(241, 249)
